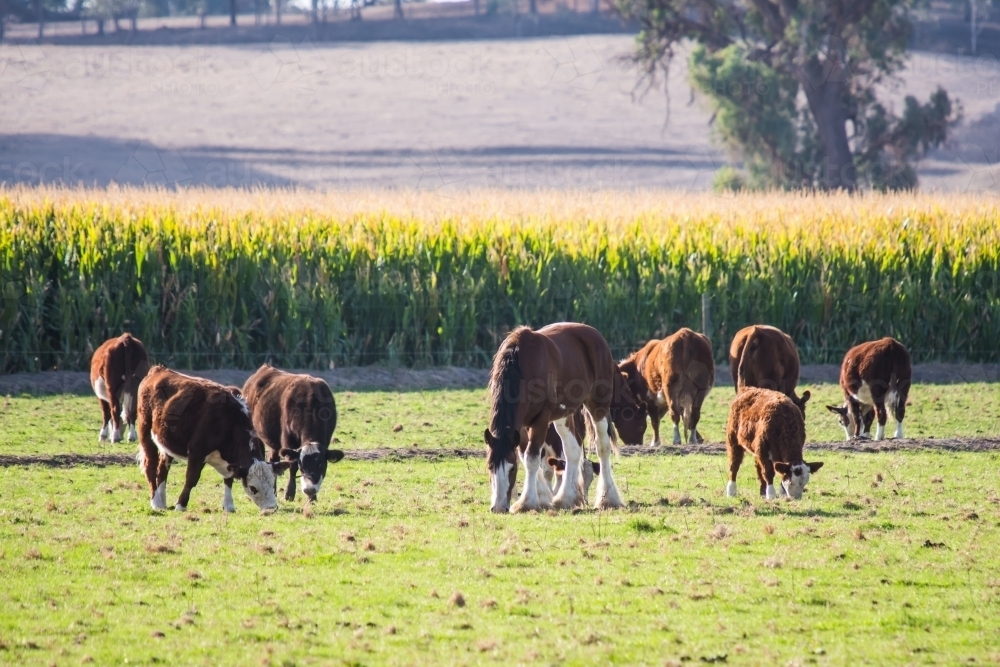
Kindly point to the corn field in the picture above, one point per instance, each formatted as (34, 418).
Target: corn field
(305, 280)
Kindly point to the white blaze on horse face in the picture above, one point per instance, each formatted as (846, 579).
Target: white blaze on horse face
(499, 484)
(227, 499)
(607, 493)
(159, 499)
(568, 496)
(731, 489)
(797, 480)
(259, 485)
(899, 429)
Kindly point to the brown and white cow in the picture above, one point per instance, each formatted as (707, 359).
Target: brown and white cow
(116, 369)
(772, 428)
(873, 374)
(673, 375)
(765, 357)
(196, 420)
(555, 458)
(295, 416)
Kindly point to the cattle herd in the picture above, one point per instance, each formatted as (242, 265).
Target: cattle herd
(551, 391)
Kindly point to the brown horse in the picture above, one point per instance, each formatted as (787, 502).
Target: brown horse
(540, 378)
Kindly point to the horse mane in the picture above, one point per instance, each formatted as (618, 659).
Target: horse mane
(505, 396)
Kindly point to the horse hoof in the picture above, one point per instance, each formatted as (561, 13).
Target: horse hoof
(519, 507)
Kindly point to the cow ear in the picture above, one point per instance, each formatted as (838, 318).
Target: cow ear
(292, 454)
(813, 467)
(334, 455)
(782, 468)
(557, 464)
(280, 467)
(837, 409)
(597, 467)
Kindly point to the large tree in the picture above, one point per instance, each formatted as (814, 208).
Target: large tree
(793, 84)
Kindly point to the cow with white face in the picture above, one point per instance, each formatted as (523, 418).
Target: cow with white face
(203, 423)
(295, 416)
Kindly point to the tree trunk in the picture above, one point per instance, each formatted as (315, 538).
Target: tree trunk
(100, 26)
(232, 12)
(824, 88)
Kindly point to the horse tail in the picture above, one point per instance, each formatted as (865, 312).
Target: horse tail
(505, 396)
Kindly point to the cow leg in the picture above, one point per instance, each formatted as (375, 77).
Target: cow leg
(227, 496)
(655, 415)
(293, 470)
(765, 470)
(882, 415)
(735, 455)
(532, 465)
(868, 418)
(117, 430)
(150, 461)
(607, 493)
(569, 494)
(288, 441)
(675, 417)
(693, 416)
(106, 424)
(194, 468)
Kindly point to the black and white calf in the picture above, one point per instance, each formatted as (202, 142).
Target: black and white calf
(295, 416)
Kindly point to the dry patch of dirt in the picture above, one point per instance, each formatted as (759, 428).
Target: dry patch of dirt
(431, 455)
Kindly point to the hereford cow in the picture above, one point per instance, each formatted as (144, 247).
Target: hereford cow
(196, 420)
(771, 427)
(295, 416)
(766, 357)
(873, 374)
(673, 375)
(116, 369)
(556, 459)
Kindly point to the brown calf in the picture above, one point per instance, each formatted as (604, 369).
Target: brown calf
(202, 422)
(673, 375)
(872, 373)
(556, 460)
(295, 416)
(116, 369)
(771, 427)
(766, 357)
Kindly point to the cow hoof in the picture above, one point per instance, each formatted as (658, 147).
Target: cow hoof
(731, 489)
(180, 508)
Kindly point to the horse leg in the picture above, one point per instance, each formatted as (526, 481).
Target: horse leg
(607, 493)
(545, 475)
(532, 465)
(569, 494)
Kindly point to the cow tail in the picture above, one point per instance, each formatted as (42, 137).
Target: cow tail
(741, 379)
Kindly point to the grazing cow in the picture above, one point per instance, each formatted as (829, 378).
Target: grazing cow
(872, 373)
(770, 426)
(295, 416)
(182, 417)
(673, 375)
(116, 369)
(766, 357)
(540, 378)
